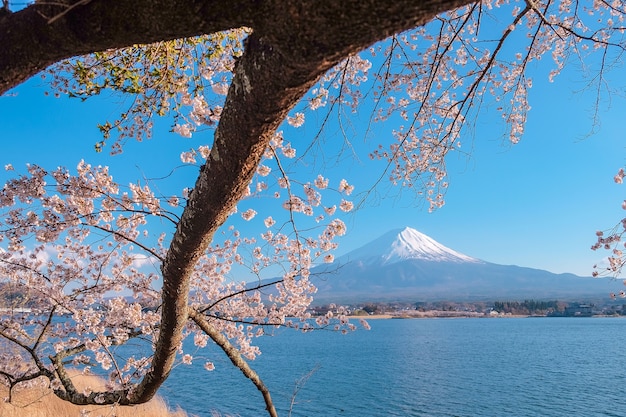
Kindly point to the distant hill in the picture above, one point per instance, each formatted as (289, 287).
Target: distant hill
(406, 264)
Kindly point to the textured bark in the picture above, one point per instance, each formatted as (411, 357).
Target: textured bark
(292, 45)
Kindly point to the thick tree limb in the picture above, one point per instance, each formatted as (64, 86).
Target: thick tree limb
(44, 33)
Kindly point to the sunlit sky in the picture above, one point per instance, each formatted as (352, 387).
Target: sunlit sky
(535, 204)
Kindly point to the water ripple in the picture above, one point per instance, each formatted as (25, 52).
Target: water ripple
(426, 368)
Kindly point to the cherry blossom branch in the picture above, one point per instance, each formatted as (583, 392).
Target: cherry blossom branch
(15, 381)
(551, 24)
(235, 357)
(236, 293)
(134, 241)
(70, 393)
(290, 195)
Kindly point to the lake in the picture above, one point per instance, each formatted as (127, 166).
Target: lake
(424, 367)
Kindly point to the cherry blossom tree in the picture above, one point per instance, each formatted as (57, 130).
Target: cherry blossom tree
(79, 248)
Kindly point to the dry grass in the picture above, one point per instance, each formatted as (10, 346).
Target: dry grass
(41, 402)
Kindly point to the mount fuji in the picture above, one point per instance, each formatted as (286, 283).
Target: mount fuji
(408, 265)
(399, 245)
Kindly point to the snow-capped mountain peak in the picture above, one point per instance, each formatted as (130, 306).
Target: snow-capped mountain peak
(403, 244)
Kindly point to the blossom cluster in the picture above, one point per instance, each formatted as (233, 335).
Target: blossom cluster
(75, 251)
(166, 78)
(79, 251)
(435, 79)
(613, 241)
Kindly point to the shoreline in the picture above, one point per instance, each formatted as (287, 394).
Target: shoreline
(447, 315)
(373, 317)
(436, 315)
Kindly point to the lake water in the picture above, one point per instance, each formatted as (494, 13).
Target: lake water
(425, 367)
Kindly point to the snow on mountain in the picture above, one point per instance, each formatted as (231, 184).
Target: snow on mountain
(403, 244)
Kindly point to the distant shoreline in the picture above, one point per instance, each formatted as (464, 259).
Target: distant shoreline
(447, 315)
(373, 317)
(436, 315)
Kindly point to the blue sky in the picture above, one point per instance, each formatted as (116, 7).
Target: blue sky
(535, 204)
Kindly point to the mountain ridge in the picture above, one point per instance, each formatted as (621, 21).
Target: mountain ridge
(407, 264)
